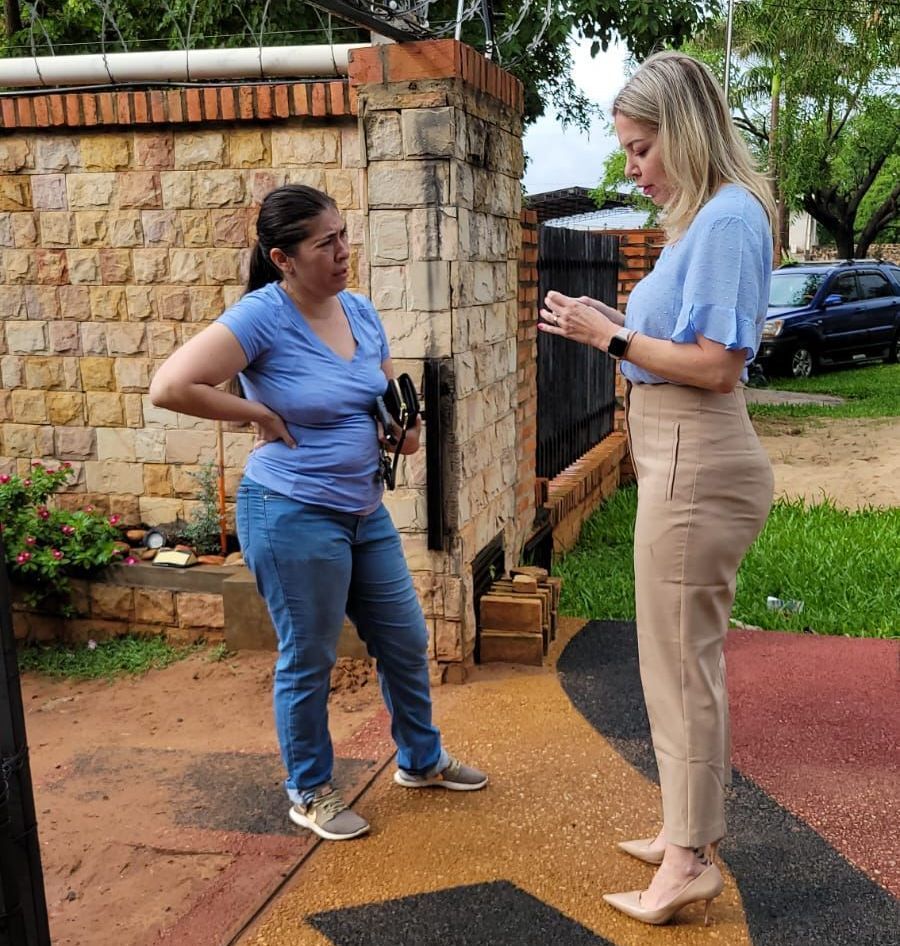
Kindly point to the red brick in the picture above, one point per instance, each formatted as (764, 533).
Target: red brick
(301, 99)
(73, 110)
(336, 94)
(107, 108)
(8, 108)
(41, 111)
(123, 108)
(141, 108)
(193, 106)
(176, 105)
(366, 66)
(226, 103)
(245, 101)
(353, 99)
(263, 101)
(57, 110)
(429, 59)
(282, 104)
(157, 106)
(211, 103)
(25, 110)
(517, 648)
(319, 100)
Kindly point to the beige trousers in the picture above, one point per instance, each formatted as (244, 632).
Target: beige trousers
(704, 491)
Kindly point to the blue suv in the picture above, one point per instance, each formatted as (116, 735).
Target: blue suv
(821, 314)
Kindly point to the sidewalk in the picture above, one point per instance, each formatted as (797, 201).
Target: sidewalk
(810, 858)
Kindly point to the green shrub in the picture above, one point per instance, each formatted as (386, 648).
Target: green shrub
(45, 547)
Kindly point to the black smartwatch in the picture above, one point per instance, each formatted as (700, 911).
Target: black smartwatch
(619, 343)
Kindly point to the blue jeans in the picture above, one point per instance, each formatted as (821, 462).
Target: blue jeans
(311, 565)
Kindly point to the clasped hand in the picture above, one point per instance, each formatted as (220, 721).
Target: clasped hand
(582, 320)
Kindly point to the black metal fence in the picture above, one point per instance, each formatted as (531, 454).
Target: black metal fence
(575, 383)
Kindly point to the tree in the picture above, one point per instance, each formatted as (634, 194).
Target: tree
(815, 89)
(533, 34)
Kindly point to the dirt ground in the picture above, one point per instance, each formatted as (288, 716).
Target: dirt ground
(106, 885)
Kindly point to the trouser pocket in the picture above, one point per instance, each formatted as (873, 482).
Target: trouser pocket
(673, 463)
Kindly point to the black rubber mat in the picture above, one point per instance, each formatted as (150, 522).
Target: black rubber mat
(491, 914)
(796, 888)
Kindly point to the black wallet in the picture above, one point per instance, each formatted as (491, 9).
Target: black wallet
(400, 404)
(402, 401)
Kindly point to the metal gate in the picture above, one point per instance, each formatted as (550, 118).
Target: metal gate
(575, 383)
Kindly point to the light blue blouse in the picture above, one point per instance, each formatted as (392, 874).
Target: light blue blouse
(713, 282)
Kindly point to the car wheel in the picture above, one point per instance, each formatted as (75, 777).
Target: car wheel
(802, 362)
(894, 354)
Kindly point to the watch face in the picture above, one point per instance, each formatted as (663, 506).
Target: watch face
(617, 346)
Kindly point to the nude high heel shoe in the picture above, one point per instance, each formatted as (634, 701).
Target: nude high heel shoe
(705, 886)
(642, 851)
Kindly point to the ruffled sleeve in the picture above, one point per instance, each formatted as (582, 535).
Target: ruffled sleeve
(725, 286)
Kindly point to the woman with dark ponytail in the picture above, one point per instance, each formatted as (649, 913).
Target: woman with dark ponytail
(312, 357)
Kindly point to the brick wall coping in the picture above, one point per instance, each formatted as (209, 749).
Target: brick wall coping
(435, 59)
(208, 103)
(267, 101)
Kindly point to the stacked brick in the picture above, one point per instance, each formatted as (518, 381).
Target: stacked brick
(579, 489)
(518, 617)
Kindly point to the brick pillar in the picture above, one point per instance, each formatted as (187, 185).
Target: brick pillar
(443, 152)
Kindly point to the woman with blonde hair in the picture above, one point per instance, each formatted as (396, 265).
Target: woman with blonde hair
(704, 482)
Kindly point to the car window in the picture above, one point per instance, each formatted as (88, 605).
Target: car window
(794, 288)
(844, 286)
(874, 286)
(895, 272)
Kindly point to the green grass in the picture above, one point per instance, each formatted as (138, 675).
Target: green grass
(120, 656)
(869, 392)
(844, 566)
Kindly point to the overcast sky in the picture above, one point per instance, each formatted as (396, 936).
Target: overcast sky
(560, 157)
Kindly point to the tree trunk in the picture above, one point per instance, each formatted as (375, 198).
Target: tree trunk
(12, 17)
(775, 167)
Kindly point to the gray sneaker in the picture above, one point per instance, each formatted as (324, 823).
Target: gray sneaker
(329, 817)
(456, 776)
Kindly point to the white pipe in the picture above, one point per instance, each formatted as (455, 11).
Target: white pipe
(177, 66)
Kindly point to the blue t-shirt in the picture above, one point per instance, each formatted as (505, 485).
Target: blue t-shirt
(713, 282)
(325, 400)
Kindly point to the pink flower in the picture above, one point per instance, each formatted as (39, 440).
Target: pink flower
(67, 465)
(36, 463)
(68, 530)
(43, 512)
(56, 554)
(30, 540)
(88, 508)
(91, 645)
(118, 551)
(26, 482)
(23, 557)
(4, 478)
(130, 560)
(114, 520)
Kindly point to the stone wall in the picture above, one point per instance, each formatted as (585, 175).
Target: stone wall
(125, 227)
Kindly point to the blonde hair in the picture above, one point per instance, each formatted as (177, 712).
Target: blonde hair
(679, 99)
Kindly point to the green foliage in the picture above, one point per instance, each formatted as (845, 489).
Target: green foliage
(816, 92)
(202, 532)
(615, 186)
(101, 659)
(537, 50)
(841, 564)
(44, 546)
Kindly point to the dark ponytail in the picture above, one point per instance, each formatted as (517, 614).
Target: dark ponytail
(284, 218)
